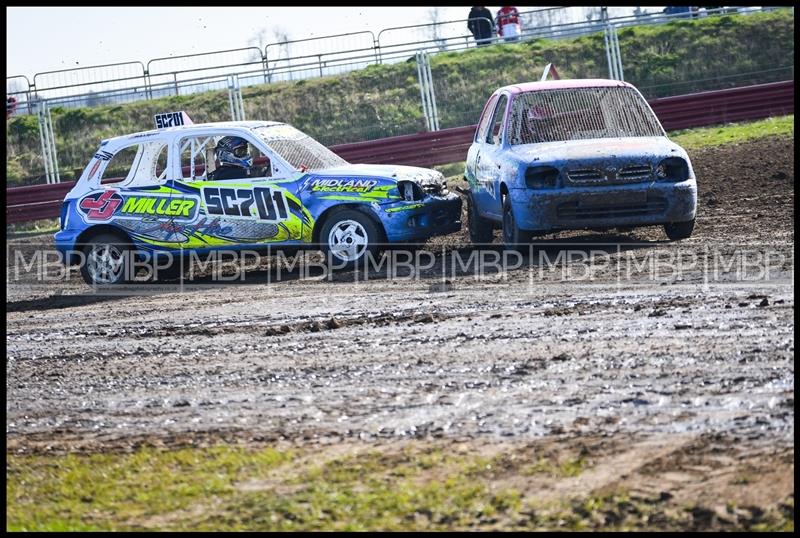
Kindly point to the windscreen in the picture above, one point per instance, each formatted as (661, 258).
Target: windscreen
(298, 149)
(580, 114)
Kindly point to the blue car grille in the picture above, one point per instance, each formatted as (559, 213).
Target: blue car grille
(573, 211)
(610, 176)
(586, 175)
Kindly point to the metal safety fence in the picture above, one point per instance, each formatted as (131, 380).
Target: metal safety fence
(300, 58)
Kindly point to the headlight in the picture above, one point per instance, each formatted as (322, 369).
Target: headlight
(541, 177)
(410, 191)
(672, 169)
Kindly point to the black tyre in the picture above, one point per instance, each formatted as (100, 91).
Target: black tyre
(679, 230)
(513, 237)
(107, 260)
(481, 230)
(347, 237)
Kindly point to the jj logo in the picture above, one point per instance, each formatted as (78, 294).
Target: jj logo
(101, 206)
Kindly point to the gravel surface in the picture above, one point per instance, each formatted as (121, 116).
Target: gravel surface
(537, 351)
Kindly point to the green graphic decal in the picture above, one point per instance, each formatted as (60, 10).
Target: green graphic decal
(242, 213)
(405, 208)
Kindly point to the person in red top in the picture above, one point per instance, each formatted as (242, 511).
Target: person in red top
(508, 25)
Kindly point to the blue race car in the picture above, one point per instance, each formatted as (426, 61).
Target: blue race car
(575, 154)
(241, 185)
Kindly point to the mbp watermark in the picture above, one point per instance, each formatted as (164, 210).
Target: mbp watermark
(544, 262)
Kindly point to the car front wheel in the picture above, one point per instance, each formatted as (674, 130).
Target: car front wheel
(348, 237)
(481, 230)
(679, 230)
(513, 237)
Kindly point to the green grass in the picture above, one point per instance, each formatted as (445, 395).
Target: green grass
(102, 491)
(235, 489)
(734, 132)
(33, 227)
(569, 468)
(418, 486)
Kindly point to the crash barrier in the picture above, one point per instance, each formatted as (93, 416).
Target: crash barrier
(451, 145)
(724, 106)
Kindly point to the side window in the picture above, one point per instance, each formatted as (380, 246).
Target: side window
(122, 165)
(262, 167)
(160, 172)
(193, 157)
(497, 121)
(484, 123)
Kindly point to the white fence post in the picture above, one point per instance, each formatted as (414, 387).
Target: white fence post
(619, 55)
(426, 90)
(48, 141)
(44, 142)
(422, 90)
(432, 92)
(613, 55)
(235, 100)
(57, 176)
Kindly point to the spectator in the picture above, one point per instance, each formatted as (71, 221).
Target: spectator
(480, 24)
(508, 25)
(11, 106)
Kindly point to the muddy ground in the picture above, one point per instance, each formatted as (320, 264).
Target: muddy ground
(646, 359)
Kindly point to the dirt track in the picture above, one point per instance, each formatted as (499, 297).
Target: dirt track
(524, 356)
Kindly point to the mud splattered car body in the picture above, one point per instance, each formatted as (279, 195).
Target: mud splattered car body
(575, 154)
(298, 194)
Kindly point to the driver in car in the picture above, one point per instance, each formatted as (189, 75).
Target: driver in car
(234, 158)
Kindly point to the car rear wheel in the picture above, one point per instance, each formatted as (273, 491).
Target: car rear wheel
(348, 237)
(679, 230)
(105, 260)
(513, 237)
(481, 230)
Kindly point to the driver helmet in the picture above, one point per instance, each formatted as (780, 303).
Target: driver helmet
(234, 151)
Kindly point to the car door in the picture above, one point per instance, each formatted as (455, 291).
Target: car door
(488, 163)
(276, 180)
(474, 152)
(248, 210)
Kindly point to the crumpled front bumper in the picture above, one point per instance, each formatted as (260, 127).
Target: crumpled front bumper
(419, 220)
(604, 207)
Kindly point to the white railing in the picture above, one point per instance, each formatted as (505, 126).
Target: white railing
(134, 81)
